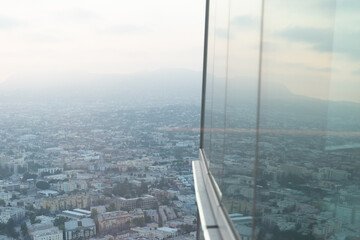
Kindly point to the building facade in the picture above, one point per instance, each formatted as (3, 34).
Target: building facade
(14, 213)
(119, 219)
(145, 202)
(80, 229)
(52, 233)
(66, 202)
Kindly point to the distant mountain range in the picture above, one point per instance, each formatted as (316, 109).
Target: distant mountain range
(158, 87)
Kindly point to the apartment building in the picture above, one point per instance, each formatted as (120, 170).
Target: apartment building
(52, 233)
(66, 202)
(118, 219)
(80, 229)
(144, 202)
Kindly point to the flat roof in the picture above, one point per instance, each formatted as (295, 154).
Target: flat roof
(74, 213)
(82, 211)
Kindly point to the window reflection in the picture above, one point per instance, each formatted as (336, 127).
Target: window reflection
(306, 183)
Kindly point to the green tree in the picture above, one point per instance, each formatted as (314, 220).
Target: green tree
(186, 228)
(44, 174)
(94, 215)
(33, 219)
(42, 211)
(147, 219)
(28, 175)
(101, 201)
(42, 185)
(4, 173)
(21, 169)
(14, 197)
(60, 222)
(138, 222)
(34, 166)
(111, 208)
(10, 229)
(24, 231)
(122, 189)
(144, 188)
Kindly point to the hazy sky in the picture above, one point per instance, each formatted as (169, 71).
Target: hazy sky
(311, 47)
(108, 36)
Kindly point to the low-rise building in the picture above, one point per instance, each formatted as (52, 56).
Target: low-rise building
(145, 202)
(6, 196)
(66, 202)
(44, 230)
(160, 233)
(333, 174)
(118, 219)
(74, 214)
(17, 214)
(52, 233)
(48, 193)
(152, 215)
(67, 186)
(166, 213)
(111, 220)
(79, 229)
(99, 209)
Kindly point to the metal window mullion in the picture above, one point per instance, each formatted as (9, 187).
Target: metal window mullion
(203, 97)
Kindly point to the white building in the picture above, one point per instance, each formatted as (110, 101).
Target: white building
(48, 193)
(52, 233)
(68, 186)
(82, 185)
(168, 232)
(15, 213)
(5, 196)
(160, 233)
(73, 214)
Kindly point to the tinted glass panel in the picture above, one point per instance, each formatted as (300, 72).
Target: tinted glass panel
(284, 145)
(240, 134)
(295, 78)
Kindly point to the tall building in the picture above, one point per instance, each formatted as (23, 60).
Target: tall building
(279, 148)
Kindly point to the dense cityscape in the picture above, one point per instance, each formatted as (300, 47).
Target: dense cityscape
(97, 171)
(179, 120)
(107, 171)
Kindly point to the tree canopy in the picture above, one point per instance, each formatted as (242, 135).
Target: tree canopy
(42, 185)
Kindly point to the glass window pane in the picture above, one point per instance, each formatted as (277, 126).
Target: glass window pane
(305, 178)
(209, 81)
(239, 157)
(295, 79)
